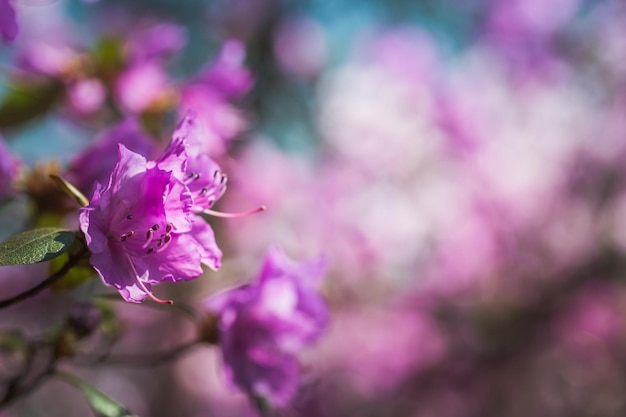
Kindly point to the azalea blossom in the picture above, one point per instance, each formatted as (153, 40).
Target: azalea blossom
(204, 180)
(262, 326)
(138, 227)
(201, 174)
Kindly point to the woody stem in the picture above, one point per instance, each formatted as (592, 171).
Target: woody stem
(73, 261)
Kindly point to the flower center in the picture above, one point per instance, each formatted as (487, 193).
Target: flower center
(154, 242)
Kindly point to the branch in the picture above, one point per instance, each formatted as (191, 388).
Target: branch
(140, 360)
(73, 261)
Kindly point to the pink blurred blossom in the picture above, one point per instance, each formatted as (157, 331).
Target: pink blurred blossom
(301, 48)
(87, 95)
(380, 105)
(385, 356)
(523, 32)
(141, 86)
(210, 95)
(51, 58)
(155, 41)
(593, 321)
(265, 324)
(527, 18)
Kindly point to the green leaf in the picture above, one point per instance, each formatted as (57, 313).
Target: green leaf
(70, 190)
(109, 57)
(101, 404)
(37, 245)
(27, 101)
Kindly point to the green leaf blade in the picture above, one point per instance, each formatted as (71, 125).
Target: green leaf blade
(101, 404)
(70, 190)
(34, 246)
(28, 101)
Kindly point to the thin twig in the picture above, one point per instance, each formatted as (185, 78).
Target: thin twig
(43, 284)
(16, 392)
(139, 360)
(179, 307)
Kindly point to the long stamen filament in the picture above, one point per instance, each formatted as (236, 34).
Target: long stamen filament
(166, 241)
(234, 215)
(143, 286)
(149, 236)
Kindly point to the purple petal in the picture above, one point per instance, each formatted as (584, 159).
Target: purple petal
(180, 261)
(263, 325)
(115, 269)
(204, 237)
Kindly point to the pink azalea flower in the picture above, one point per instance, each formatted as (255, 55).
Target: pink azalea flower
(140, 86)
(138, 227)
(227, 75)
(301, 47)
(49, 57)
(86, 96)
(155, 42)
(264, 325)
(203, 176)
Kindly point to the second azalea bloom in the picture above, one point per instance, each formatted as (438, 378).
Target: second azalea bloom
(264, 325)
(141, 230)
(201, 173)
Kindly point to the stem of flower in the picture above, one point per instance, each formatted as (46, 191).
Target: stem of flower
(140, 360)
(186, 310)
(27, 383)
(43, 284)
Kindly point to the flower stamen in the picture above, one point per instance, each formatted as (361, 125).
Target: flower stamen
(127, 235)
(193, 176)
(149, 236)
(235, 215)
(166, 241)
(143, 286)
